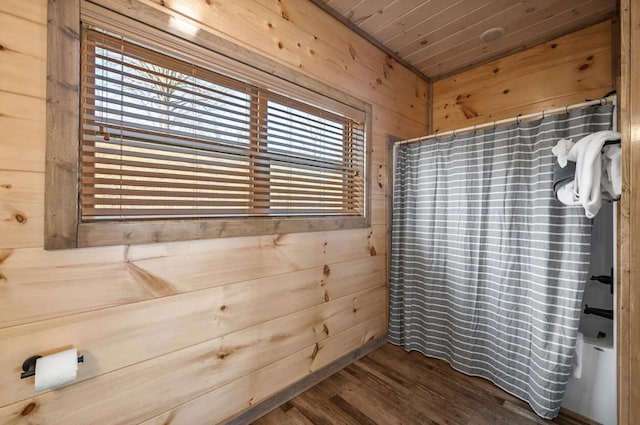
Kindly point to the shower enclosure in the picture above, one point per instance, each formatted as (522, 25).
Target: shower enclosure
(594, 394)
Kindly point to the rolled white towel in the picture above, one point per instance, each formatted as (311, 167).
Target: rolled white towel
(611, 159)
(587, 153)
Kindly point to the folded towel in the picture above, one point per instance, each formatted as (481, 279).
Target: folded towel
(587, 155)
(597, 170)
(611, 163)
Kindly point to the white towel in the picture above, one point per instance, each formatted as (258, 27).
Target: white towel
(566, 195)
(611, 163)
(588, 156)
(561, 151)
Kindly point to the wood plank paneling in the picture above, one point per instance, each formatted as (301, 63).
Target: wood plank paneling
(155, 328)
(157, 323)
(213, 407)
(21, 209)
(22, 118)
(440, 37)
(628, 292)
(196, 370)
(40, 284)
(561, 72)
(557, 21)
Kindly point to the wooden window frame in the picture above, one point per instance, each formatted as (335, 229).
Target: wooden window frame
(140, 22)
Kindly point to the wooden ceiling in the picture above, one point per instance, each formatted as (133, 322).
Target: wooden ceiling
(441, 37)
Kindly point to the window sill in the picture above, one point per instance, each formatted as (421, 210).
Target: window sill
(125, 233)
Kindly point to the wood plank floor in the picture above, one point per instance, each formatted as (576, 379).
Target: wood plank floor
(391, 386)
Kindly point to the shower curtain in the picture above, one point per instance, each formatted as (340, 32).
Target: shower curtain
(487, 267)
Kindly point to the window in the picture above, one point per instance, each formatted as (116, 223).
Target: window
(174, 149)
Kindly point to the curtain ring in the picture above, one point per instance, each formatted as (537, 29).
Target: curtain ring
(566, 109)
(475, 129)
(543, 114)
(518, 119)
(454, 133)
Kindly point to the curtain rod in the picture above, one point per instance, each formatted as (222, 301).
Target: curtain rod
(604, 101)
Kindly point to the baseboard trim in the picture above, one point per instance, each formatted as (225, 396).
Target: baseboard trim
(304, 384)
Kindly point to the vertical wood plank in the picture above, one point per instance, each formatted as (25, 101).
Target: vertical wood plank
(63, 69)
(628, 294)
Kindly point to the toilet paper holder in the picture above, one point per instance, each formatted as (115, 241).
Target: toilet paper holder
(29, 366)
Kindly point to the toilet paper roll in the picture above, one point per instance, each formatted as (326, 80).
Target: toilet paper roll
(56, 370)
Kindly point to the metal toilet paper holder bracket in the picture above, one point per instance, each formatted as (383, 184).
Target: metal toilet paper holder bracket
(29, 366)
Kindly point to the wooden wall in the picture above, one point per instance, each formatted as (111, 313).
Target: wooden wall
(188, 332)
(628, 291)
(566, 70)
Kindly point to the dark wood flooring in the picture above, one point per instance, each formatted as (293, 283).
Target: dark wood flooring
(391, 386)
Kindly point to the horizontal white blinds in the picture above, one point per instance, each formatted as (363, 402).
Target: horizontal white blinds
(162, 138)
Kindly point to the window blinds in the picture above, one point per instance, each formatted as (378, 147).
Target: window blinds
(162, 138)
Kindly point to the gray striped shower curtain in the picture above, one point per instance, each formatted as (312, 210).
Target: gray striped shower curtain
(487, 268)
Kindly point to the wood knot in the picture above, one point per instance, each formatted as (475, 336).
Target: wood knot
(6, 186)
(28, 408)
(316, 348)
(372, 251)
(277, 241)
(223, 356)
(325, 328)
(20, 218)
(505, 91)
(554, 45)
(590, 58)
(352, 51)
(326, 270)
(1, 47)
(496, 70)
(584, 66)
(5, 254)
(530, 10)
(270, 25)
(379, 80)
(280, 45)
(223, 307)
(326, 297)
